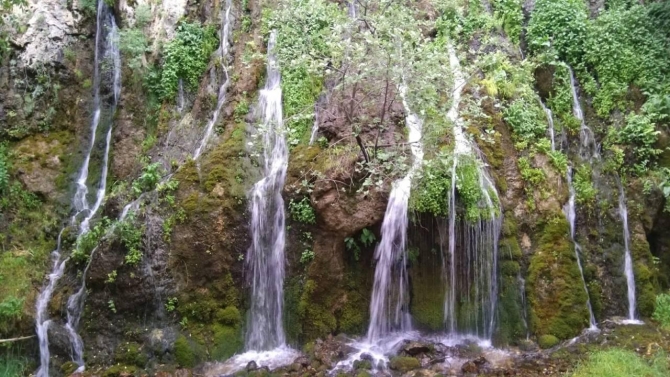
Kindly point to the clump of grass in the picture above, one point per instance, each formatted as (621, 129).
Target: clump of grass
(11, 363)
(617, 362)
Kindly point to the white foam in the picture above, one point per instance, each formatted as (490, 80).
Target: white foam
(272, 359)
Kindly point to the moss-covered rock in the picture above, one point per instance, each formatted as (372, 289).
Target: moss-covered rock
(555, 289)
(227, 342)
(119, 370)
(230, 316)
(130, 353)
(187, 352)
(547, 341)
(404, 364)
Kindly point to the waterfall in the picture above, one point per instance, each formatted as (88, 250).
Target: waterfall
(223, 51)
(587, 147)
(471, 262)
(628, 260)
(571, 216)
(550, 121)
(315, 127)
(524, 310)
(106, 55)
(265, 257)
(180, 97)
(389, 304)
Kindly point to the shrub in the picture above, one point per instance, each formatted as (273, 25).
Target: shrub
(185, 57)
(559, 25)
(662, 311)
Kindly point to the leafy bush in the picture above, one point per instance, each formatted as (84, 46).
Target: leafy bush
(432, 188)
(130, 235)
(585, 193)
(662, 311)
(624, 48)
(561, 26)
(525, 120)
(640, 135)
(367, 237)
(510, 14)
(302, 211)
(11, 308)
(147, 181)
(133, 45)
(185, 57)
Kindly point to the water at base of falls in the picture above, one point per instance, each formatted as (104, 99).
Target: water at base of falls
(272, 359)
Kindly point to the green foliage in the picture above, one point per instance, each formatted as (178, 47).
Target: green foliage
(88, 6)
(302, 211)
(624, 48)
(432, 188)
(510, 15)
(133, 44)
(616, 362)
(367, 237)
(560, 26)
(171, 304)
(111, 306)
(664, 186)
(111, 277)
(11, 308)
(185, 57)
(351, 245)
(230, 316)
(147, 181)
(527, 123)
(90, 240)
(130, 235)
(638, 136)
(559, 160)
(12, 364)
(306, 256)
(142, 15)
(585, 193)
(662, 311)
(533, 176)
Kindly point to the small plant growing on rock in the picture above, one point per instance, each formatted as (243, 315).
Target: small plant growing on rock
(302, 211)
(367, 237)
(171, 304)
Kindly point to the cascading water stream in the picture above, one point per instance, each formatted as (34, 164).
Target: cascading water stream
(471, 271)
(571, 215)
(389, 304)
(550, 121)
(628, 260)
(106, 48)
(265, 257)
(587, 148)
(223, 50)
(315, 127)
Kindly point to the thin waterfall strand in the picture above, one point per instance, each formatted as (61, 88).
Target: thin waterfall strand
(106, 47)
(628, 260)
(571, 215)
(223, 50)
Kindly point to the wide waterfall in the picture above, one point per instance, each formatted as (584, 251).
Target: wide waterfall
(265, 257)
(389, 309)
(107, 67)
(471, 261)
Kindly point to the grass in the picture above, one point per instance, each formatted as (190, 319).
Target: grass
(11, 364)
(617, 362)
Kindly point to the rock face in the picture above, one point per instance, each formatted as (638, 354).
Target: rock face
(52, 26)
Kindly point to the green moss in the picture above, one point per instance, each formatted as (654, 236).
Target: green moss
(186, 352)
(130, 353)
(318, 320)
(119, 370)
(230, 316)
(427, 306)
(510, 321)
(509, 268)
(547, 341)
(404, 364)
(227, 342)
(353, 316)
(67, 368)
(362, 364)
(555, 291)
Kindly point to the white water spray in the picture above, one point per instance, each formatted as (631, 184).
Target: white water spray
(587, 148)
